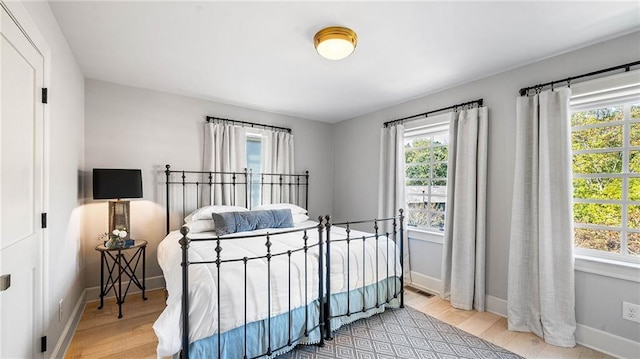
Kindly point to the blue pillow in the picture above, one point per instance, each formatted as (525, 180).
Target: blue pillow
(232, 222)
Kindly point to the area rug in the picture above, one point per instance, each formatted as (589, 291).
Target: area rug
(401, 333)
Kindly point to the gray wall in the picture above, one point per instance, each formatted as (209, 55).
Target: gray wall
(422, 260)
(356, 153)
(64, 152)
(130, 127)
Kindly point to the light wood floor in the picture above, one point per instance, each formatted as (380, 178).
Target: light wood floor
(100, 334)
(493, 328)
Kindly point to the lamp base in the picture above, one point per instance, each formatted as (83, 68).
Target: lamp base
(119, 216)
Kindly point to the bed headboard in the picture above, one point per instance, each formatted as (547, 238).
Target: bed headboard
(189, 190)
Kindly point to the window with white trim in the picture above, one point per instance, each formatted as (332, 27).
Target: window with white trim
(254, 162)
(426, 155)
(605, 135)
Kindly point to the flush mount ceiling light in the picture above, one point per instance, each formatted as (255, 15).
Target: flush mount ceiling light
(335, 42)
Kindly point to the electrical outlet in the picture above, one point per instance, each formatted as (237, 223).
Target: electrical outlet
(60, 310)
(631, 312)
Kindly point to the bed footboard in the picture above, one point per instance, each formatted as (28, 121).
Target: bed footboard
(394, 233)
(383, 247)
(272, 347)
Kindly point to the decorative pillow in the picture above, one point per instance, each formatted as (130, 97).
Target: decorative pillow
(201, 225)
(294, 209)
(232, 222)
(205, 212)
(297, 218)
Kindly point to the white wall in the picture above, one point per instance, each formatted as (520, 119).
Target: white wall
(130, 127)
(356, 150)
(64, 127)
(136, 128)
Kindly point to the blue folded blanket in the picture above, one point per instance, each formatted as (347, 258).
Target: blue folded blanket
(232, 222)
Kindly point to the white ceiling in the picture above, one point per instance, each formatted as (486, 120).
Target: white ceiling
(261, 55)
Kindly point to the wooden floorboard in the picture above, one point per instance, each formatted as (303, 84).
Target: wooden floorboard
(100, 334)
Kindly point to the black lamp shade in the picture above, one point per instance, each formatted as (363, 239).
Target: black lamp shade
(109, 183)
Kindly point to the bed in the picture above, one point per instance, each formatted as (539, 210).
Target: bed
(259, 293)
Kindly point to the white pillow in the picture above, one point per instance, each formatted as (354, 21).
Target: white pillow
(201, 225)
(294, 209)
(297, 218)
(205, 212)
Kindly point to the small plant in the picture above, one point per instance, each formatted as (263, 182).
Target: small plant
(113, 239)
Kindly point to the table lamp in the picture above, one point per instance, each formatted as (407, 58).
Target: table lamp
(110, 183)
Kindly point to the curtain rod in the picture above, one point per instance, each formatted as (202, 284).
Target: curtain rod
(252, 124)
(627, 67)
(425, 114)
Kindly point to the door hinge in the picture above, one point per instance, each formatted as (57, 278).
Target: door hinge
(43, 344)
(43, 218)
(45, 92)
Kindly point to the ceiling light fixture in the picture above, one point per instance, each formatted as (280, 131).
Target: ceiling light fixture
(335, 42)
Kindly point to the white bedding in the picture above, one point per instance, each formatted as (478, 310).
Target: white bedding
(203, 308)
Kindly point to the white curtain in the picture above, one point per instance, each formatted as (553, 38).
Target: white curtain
(224, 151)
(541, 297)
(391, 196)
(463, 260)
(277, 157)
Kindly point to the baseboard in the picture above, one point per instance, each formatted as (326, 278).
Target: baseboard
(62, 345)
(151, 283)
(495, 305)
(607, 343)
(604, 342)
(426, 283)
(89, 295)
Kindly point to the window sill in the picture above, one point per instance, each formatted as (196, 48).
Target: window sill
(608, 268)
(426, 235)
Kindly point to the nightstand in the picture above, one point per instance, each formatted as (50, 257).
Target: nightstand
(119, 264)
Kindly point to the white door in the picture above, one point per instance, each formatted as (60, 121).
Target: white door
(21, 183)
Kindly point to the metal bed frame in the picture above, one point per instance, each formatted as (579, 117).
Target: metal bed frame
(295, 183)
(237, 182)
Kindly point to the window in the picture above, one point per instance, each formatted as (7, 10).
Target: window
(254, 163)
(426, 155)
(606, 178)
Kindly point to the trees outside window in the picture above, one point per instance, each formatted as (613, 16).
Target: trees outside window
(426, 156)
(606, 179)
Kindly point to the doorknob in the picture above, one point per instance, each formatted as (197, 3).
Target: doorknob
(5, 282)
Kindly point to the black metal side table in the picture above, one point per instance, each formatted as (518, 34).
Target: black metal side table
(118, 265)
